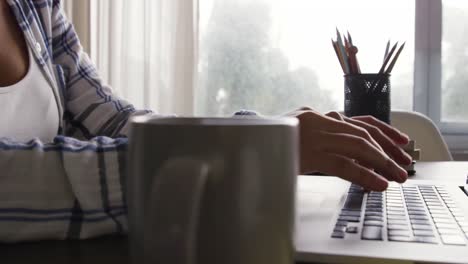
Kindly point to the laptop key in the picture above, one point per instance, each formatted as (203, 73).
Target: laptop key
(372, 233)
(338, 235)
(433, 196)
(396, 212)
(399, 233)
(398, 227)
(352, 229)
(411, 194)
(459, 214)
(400, 239)
(350, 213)
(420, 222)
(394, 199)
(396, 208)
(445, 231)
(373, 223)
(380, 210)
(418, 212)
(373, 214)
(396, 217)
(439, 215)
(425, 239)
(341, 223)
(434, 203)
(438, 220)
(354, 219)
(455, 210)
(413, 200)
(438, 211)
(419, 217)
(423, 233)
(432, 200)
(397, 222)
(340, 229)
(422, 227)
(369, 206)
(391, 204)
(353, 203)
(416, 208)
(447, 226)
(456, 240)
(374, 218)
(414, 204)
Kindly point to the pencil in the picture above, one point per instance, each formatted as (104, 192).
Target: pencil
(352, 68)
(354, 61)
(352, 53)
(390, 67)
(342, 51)
(386, 50)
(375, 84)
(337, 54)
(387, 59)
(350, 39)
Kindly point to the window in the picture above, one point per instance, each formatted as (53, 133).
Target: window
(455, 61)
(274, 56)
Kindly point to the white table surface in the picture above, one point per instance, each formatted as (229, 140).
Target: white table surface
(114, 249)
(442, 171)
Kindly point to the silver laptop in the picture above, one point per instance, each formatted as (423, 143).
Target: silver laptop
(419, 221)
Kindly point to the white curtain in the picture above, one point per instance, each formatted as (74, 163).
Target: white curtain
(79, 13)
(147, 51)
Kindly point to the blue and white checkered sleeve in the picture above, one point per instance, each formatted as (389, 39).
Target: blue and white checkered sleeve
(68, 189)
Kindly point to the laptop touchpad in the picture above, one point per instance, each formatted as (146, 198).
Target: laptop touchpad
(319, 196)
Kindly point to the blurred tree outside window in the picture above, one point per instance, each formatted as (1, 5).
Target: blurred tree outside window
(275, 55)
(455, 61)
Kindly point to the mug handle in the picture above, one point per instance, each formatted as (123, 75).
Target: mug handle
(175, 205)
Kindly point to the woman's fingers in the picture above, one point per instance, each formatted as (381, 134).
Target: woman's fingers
(334, 145)
(376, 129)
(347, 169)
(300, 111)
(335, 115)
(358, 149)
(311, 121)
(393, 133)
(384, 141)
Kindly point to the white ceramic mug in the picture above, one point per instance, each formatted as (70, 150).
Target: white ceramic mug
(212, 190)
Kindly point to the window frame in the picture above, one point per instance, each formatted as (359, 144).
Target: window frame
(427, 95)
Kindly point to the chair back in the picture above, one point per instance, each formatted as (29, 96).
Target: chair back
(426, 134)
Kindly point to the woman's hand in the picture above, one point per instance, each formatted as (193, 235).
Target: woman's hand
(388, 137)
(351, 148)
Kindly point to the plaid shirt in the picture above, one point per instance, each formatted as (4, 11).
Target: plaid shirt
(70, 188)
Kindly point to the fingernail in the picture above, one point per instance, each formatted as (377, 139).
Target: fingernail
(408, 158)
(403, 175)
(399, 174)
(404, 137)
(382, 185)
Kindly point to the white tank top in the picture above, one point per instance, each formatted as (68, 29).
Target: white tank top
(28, 108)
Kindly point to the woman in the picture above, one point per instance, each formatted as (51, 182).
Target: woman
(64, 132)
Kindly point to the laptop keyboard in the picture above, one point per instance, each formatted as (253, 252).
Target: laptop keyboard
(403, 213)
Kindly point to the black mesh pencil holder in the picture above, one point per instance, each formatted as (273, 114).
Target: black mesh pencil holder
(368, 94)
